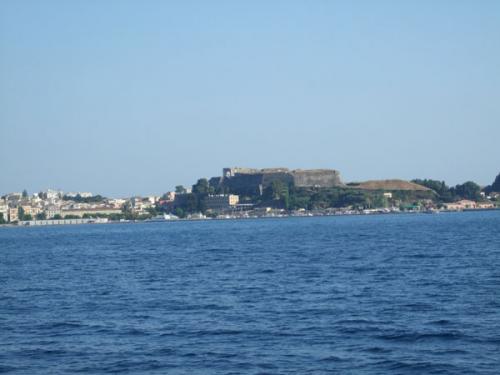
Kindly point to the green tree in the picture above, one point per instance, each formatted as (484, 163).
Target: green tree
(25, 194)
(78, 198)
(41, 216)
(179, 189)
(353, 198)
(297, 202)
(179, 212)
(152, 211)
(379, 201)
(496, 184)
(444, 192)
(191, 205)
(20, 213)
(201, 187)
(201, 190)
(278, 194)
(57, 217)
(27, 217)
(2, 220)
(468, 190)
(202, 204)
(71, 217)
(116, 217)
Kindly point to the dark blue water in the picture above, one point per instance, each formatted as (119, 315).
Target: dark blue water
(402, 294)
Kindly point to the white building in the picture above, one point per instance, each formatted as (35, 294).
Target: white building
(81, 194)
(170, 196)
(117, 202)
(14, 197)
(13, 214)
(153, 199)
(54, 194)
(52, 211)
(4, 209)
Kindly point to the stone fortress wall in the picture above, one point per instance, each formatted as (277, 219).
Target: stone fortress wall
(253, 181)
(316, 177)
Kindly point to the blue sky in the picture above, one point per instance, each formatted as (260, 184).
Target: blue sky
(134, 97)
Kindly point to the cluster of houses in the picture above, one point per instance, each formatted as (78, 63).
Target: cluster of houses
(55, 204)
(58, 205)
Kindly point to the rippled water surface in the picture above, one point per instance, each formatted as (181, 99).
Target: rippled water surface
(416, 294)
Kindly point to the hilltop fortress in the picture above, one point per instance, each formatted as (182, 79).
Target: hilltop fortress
(250, 181)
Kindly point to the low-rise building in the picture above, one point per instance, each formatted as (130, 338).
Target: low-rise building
(464, 204)
(117, 202)
(54, 194)
(494, 195)
(485, 205)
(153, 199)
(52, 211)
(27, 209)
(140, 206)
(91, 211)
(13, 214)
(35, 210)
(80, 194)
(169, 196)
(14, 197)
(35, 198)
(221, 202)
(4, 210)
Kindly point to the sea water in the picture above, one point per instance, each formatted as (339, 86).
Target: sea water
(402, 294)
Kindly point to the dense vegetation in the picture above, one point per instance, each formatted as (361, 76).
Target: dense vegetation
(189, 203)
(293, 198)
(286, 196)
(79, 199)
(494, 187)
(467, 190)
(22, 216)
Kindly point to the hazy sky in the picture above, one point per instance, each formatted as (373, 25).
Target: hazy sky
(134, 97)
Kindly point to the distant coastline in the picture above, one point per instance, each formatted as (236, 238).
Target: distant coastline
(251, 193)
(242, 218)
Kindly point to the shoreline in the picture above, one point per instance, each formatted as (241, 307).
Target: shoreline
(280, 216)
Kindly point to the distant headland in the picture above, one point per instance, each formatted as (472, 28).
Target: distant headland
(249, 192)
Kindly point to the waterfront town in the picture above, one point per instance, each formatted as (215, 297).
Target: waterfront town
(250, 193)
